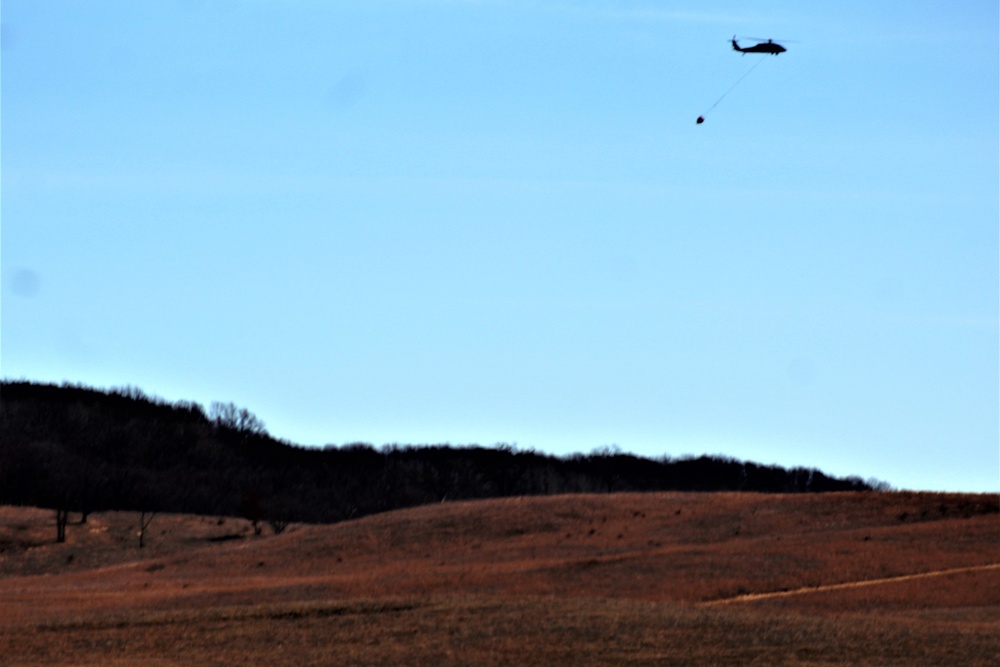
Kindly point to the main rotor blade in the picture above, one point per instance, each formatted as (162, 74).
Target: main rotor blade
(764, 39)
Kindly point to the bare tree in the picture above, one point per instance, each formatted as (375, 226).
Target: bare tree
(62, 518)
(252, 508)
(604, 458)
(145, 518)
(241, 420)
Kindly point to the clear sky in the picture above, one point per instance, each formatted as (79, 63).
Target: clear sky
(482, 222)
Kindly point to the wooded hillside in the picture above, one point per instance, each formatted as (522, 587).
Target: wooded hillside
(80, 449)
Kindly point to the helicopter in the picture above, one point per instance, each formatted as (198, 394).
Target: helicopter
(770, 46)
(764, 47)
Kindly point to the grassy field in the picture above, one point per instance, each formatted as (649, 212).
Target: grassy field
(632, 579)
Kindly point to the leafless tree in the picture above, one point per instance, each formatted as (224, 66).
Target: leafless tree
(241, 420)
(145, 518)
(62, 518)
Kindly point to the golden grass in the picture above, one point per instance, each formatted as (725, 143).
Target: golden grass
(617, 579)
(473, 630)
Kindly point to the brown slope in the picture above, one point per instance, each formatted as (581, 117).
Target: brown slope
(559, 580)
(665, 546)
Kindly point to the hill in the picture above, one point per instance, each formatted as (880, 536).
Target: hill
(83, 450)
(626, 578)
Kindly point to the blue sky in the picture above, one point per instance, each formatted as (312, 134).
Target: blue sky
(497, 222)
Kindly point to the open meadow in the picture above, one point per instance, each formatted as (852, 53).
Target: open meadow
(893, 578)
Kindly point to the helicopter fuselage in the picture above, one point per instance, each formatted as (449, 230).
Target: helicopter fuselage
(763, 47)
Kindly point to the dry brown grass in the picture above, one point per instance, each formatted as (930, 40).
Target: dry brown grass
(569, 580)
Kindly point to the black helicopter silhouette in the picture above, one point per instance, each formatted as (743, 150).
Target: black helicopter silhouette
(770, 46)
(764, 47)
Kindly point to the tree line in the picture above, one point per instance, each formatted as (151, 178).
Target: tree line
(78, 449)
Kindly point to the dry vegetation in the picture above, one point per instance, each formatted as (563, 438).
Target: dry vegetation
(664, 579)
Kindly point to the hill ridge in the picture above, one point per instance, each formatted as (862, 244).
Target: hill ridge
(80, 449)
